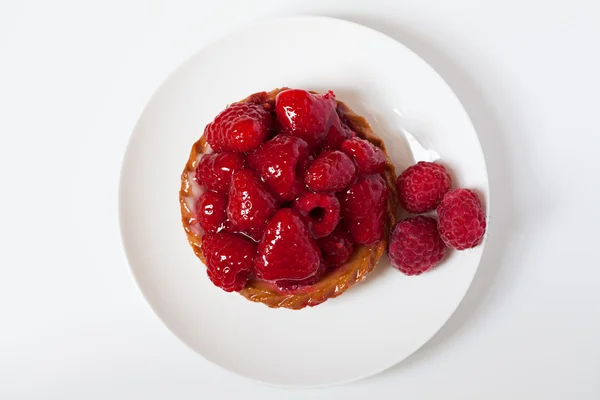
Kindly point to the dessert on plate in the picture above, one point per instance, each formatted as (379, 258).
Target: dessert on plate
(288, 198)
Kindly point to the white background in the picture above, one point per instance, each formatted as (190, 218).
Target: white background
(74, 77)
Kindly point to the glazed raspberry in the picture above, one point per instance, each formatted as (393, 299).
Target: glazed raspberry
(330, 171)
(368, 158)
(240, 127)
(287, 251)
(337, 247)
(320, 211)
(337, 134)
(279, 162)
(211, 211)
(416, 245)
(215, 170)
(229, 259)
(305, 115)
(422, 186)
(250, 203)
(461, 219)
(363, 207)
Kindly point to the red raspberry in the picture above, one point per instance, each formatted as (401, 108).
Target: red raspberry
(320, 211)
(287, 251)
(229, 259)
(364, 207)
(250, 203)
(337, 247)
(422, 186)
(215, 170)
(279, 162)
(240, 127)
(461, 219)
(211, 211)
(305, 115)
(337, 134)
(416, 246)
(368, 158)
(330, 171)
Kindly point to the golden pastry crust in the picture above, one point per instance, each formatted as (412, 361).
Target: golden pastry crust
(334, 282)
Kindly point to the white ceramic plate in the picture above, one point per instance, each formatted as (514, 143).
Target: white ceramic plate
(374, 325)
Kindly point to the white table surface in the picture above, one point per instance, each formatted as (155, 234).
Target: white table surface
(74, 77)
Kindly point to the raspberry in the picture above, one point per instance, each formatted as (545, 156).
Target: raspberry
(305, 115)
(461, 219)
(250, 203)
(287, 251)
(330, 171)
(337, 134)
(320, 211)
(337, 247)
(229, 259)
(240, 127)
(415, 245)
(368, 158)
(422, 186)
(215, 170)
(279, 162)
(363, 208)
(211, 211)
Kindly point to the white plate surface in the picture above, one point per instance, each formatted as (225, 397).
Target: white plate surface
(374, 325)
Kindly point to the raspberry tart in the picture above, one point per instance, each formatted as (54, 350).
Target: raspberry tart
(288, 198)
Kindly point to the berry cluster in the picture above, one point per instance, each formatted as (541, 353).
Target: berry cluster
(418, 243)
(289, 191)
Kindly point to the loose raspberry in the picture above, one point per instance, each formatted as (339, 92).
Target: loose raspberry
(422, 186)
(250, 203)
(461, 219)
(305, 115)
(364, 208)
(211, 211)
(337, 247)
(416, 245)
(368, 158)
(330, 171)
(287, 251)
(229, 259)
(320, 211)
(279, 162)
(240, 127)
(215, 170)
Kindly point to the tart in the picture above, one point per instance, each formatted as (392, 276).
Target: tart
(206, 200)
